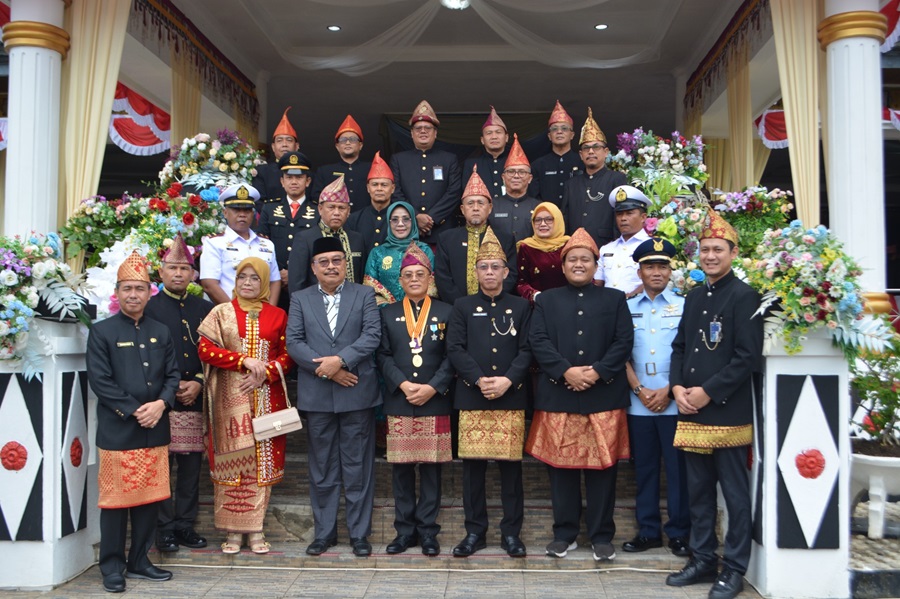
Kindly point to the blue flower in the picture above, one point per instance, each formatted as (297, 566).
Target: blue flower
(20, 320)
(210, 195)
(796, 224)
(697, 275)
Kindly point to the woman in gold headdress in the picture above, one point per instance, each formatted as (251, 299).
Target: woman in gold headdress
(245, 362)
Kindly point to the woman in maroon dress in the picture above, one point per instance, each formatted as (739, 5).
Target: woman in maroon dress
(540, 265)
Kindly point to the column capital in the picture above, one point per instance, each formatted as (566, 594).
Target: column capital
(857, 23)
(876, 302)
(34, 33)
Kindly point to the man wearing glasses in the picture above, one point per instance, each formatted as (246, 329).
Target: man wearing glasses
(427, 178)
(268, 178)
(348, 141)
(585, 201)
(551, 171)
(494, 137)
(512, 211)
(333, 331)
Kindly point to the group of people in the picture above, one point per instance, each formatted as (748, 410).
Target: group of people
(448, 330)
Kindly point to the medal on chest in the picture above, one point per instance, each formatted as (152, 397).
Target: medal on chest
(415, 328)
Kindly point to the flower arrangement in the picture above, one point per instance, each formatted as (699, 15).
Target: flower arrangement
(809, 282)
(203, 161)
(98, 222)
(681, 221)
(32, 269)
(661, 167)
(753, 211)
(876, 381)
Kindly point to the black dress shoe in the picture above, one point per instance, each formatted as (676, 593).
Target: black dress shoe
(639, 543)
(361, 547)
(401, 543)
(320, 546)
(728, 585)
(679, 547)
(166, 542)
(693, 573)
(430, 546)
(114, 583)
(469, 545)
(513, 546)
(189, 538)
(149, 573)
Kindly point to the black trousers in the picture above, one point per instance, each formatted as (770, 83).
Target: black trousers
(113, 527)
(512, 497)
(565, 495)
(728, 467)
(412, 518)
(180, 511)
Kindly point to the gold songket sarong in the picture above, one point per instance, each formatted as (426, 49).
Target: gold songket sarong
(413, 439)
(241, 508)
(491, 434)
(704, 438)
(132, 477)
(592, 441)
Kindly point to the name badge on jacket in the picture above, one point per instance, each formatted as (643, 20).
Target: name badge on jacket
(438, 173)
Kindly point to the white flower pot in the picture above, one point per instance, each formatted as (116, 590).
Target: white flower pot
(881, 476)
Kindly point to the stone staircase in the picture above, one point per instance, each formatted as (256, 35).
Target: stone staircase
(289, 526)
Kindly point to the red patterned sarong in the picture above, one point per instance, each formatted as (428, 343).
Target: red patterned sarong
(592, 441)
(413, 439)
(491, 434)
(133, 477)
(187, 432)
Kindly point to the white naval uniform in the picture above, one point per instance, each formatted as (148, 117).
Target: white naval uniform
(222, 254)
(615, 265)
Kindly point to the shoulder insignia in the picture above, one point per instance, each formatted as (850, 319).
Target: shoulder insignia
(261, 236)
(214, 235)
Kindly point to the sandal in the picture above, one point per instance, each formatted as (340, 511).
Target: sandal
(257, 542)
(232, 543)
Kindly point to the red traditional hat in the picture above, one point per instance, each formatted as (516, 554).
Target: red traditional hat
(580, 239)
(718, 228)
(494, 120)
(350, 125)
(559, 115)
(415, 256)
(475, 186)
(133, 269)
(424, 112)
(178, 252)
(284, 127)
(380, 169)
(517, 156)
(336, 191)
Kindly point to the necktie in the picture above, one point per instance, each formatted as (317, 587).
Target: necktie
(295, 206)
(331, 311)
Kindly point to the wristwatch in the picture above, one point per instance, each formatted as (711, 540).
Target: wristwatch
(344, 364)
(637, 390)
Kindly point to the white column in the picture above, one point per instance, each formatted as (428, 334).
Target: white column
(851, 34)
(36, 44)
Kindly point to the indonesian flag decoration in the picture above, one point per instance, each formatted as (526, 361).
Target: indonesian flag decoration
(771, 128)
(892, 11)
(137, 125)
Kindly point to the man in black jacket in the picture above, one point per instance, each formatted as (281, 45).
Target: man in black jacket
(417, 375)
(131, 367)
(581, 336)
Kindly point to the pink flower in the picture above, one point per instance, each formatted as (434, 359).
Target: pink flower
(650, 225)
(770, 273)
(831, 324)
(113, 304)
(809, 317)
(804, 301)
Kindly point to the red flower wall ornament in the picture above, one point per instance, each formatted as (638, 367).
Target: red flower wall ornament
(76, 451)
(13, 456)
(810, 463)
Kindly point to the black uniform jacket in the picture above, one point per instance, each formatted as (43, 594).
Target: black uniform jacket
(430, 181)
(268, 182)
(395, 360)
(355, 178)
(182, 315)
(372, 224)
(489, 337)
(300, 274)
(581, 326)
(596, 216)
(490, 170)
(512, 216)
(451, 263)
(723, 369)
(549, 175)
(129, 364)
(275, 222)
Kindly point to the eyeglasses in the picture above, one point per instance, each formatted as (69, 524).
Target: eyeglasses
(560, 128)
(487, 267)
(348, 140)
(420, 128)
(593, 148)
(543, 219)
(517, 173)
(414, 276)
(251, 278)
(324, 262)
(400, 220)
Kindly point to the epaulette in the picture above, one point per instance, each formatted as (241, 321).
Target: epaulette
(271, 200)
(211, 236)
(261, 236)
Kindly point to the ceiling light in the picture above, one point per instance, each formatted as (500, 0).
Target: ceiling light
(334, 28)
(456, 4)
(600, 27)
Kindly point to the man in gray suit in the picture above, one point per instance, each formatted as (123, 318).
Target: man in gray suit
(333, 331)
